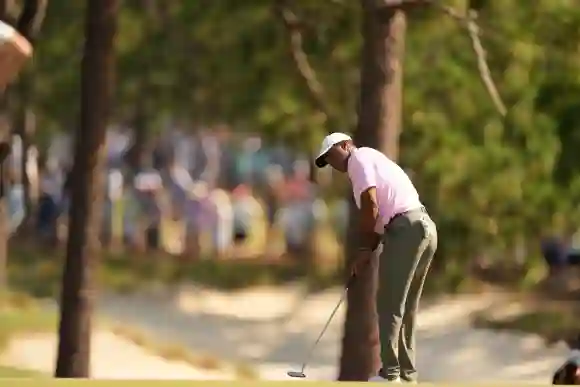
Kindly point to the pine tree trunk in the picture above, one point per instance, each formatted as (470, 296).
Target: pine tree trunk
(379, 123)
(78, 285)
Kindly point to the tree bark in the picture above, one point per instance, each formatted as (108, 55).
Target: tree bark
(78, 285)
(379, 122)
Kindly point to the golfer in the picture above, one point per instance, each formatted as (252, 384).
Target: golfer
(390, 209)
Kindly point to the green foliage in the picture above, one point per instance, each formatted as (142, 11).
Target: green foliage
(488, 180)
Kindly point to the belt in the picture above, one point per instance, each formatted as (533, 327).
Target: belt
(421, 209)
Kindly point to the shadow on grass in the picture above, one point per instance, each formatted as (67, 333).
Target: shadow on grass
(174, 351)
(552, 325)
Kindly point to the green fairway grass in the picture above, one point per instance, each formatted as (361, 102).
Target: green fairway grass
(200, 383)
(10, 372)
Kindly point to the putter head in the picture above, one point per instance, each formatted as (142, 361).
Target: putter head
(296, 374)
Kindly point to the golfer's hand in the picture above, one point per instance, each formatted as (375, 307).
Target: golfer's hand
(363, 258)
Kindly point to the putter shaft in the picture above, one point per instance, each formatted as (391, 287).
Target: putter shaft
(311, 352)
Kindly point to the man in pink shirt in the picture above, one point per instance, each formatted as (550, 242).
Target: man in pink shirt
(390, 210)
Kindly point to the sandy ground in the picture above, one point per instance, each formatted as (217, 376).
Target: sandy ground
(112, 358)
(273, 328)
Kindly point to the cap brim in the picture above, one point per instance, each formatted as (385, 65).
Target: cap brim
(320, 161)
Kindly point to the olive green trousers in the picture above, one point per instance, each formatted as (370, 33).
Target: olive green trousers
(409, 244)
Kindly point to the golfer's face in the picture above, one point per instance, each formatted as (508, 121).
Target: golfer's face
(335, 158)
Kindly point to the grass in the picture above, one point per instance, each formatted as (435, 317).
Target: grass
(552, 320)
(205, 383)
(11, 372)
(37, 275)
(19, 315)
(38, 272)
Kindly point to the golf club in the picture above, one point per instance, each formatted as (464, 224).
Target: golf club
(301, 374)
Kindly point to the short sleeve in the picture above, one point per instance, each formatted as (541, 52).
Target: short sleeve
(362, 173)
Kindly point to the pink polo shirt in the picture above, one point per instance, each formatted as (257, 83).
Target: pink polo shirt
(367, 167)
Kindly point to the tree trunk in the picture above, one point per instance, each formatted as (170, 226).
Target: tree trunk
(379, 122)
(78, 285)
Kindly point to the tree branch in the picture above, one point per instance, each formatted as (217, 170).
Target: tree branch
(470, 24)
(305, 70)
(484, 72)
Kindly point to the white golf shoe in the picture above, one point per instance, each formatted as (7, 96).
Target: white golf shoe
(378, 378)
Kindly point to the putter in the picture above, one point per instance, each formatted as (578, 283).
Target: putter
(301, 374)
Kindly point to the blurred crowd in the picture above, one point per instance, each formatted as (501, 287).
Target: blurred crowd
(222, 189)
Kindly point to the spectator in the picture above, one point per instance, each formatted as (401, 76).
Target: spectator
(554, 253)
(223, 216)
(297, 216)
(559, 253)
(245, 208)
(148, 185)
(16, 206)
(51, 198)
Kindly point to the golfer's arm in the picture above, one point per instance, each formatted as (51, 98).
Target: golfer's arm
(369, 213)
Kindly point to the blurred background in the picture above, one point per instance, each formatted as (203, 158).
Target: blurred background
(222, 251)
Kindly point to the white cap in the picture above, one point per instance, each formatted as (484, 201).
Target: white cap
(328, 142)
(7, 32)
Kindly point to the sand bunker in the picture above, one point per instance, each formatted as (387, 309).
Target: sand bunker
(274, 328)
(113, 357)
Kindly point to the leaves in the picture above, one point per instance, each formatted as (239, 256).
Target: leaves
(230, 61)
